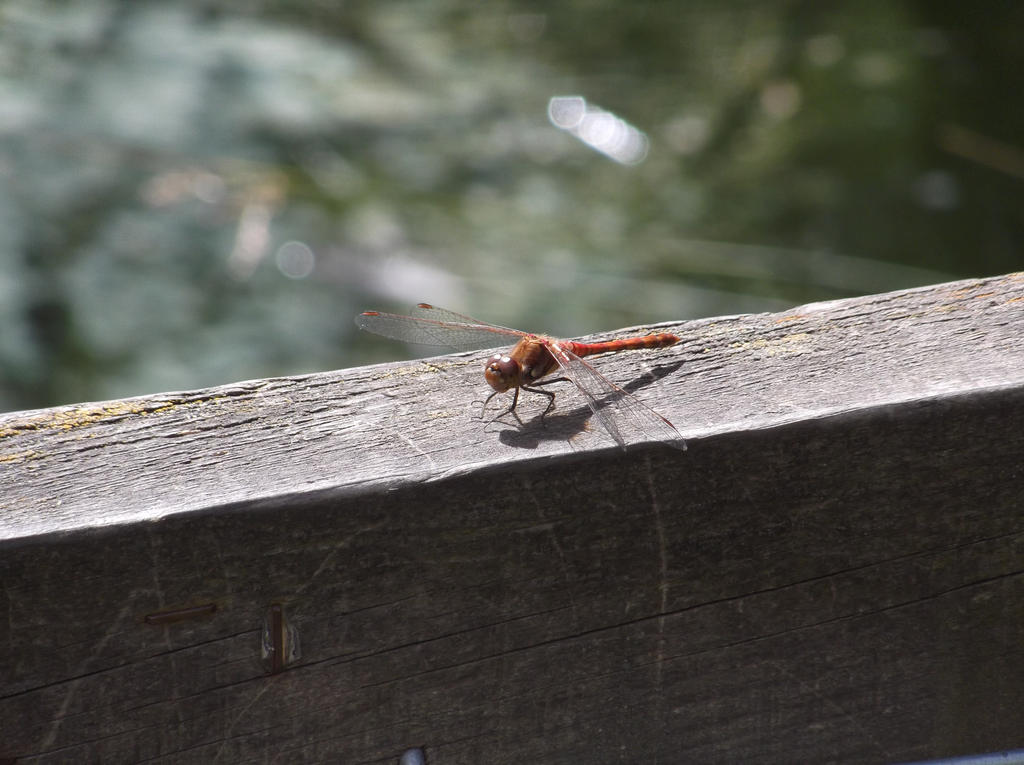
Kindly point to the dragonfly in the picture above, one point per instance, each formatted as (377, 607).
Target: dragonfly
(532, 361)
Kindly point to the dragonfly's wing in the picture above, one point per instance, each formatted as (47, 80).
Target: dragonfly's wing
(617, 410)
(436, 327)
(443, 315)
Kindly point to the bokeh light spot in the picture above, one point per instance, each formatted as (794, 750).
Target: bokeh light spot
(295, 260)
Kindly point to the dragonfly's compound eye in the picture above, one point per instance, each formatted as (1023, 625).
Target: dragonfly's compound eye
(502, 372)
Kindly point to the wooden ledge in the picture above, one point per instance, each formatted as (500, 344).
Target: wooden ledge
(343, 566)
(382, 427)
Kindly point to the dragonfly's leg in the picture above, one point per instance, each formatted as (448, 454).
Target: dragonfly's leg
(549, 394)
(547, 381)
(510, 410)
(483, 409)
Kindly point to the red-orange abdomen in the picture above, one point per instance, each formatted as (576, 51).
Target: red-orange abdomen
(661, 340)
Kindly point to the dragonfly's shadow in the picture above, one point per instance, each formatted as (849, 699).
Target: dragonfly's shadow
(567, 424)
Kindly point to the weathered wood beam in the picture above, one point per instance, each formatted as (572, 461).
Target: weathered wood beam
(833, 570)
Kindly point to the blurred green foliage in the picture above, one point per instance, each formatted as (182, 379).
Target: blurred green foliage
(196, 193)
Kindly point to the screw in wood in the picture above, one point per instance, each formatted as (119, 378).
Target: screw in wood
(279, 641)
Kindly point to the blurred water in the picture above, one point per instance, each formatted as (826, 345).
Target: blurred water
(196, 194)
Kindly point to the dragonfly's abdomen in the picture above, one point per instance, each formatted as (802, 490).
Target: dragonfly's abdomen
(661, 340)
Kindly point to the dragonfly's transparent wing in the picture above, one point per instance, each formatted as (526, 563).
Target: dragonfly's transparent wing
(443, 315)
(436, 326)
(620, 413)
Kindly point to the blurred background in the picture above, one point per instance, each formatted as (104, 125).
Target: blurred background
(195, 193)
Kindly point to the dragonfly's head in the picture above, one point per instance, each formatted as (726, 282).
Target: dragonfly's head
(502, 372)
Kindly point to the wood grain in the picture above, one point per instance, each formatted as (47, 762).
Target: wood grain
(833, 571)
